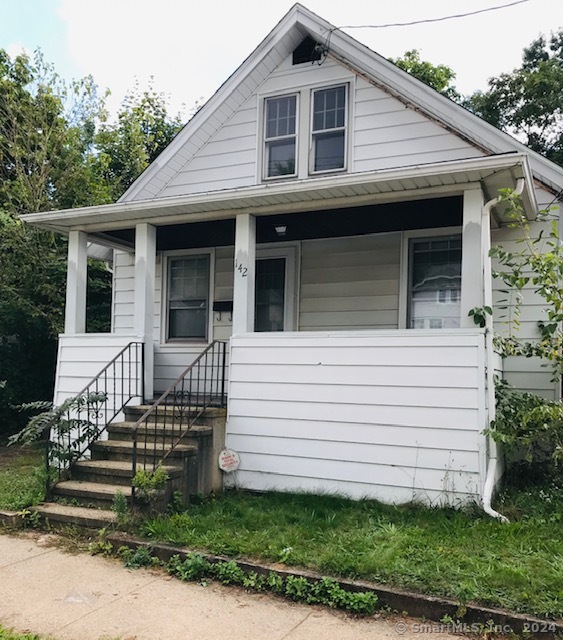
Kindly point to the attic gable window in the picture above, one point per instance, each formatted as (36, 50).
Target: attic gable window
(280, 136)
(329, 129)
(308, 51)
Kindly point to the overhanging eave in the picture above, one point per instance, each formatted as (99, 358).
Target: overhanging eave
(303, 195)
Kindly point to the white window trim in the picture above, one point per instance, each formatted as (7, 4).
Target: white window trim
(311, 164)
(303, 126)
(291, 254)
(264, 142)
(180, 253)
(407, 236)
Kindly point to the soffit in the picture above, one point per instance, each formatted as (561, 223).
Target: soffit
(306, 195)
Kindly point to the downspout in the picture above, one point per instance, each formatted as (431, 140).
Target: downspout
(492, 448)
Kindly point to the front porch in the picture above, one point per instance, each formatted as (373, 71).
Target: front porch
(354, 365)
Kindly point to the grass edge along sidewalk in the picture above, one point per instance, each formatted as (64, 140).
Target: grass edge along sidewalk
(463, 555)
(469, 617)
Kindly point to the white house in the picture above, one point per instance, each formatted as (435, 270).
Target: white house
(330, 216)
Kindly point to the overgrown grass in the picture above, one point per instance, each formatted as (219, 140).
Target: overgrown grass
(461, 554)
(21, 477)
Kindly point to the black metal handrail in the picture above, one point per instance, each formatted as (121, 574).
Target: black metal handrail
(161, 428)
(82, 419)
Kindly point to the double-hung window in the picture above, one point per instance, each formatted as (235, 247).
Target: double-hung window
(322, 123)
(328, 129)
(188, 297)
(280, 136)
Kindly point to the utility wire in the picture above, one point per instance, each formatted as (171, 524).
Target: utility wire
(408, 24)
(324, 48)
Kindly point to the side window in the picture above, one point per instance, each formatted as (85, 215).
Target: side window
(188, 297)
(328, 129)
(435, 283)
(280, 137)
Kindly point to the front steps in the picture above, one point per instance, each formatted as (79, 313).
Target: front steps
(86, 498)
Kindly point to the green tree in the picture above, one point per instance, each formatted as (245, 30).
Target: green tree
(439, 77)
(47, 131)
(528, 102)
(142, 130)
(57, 151)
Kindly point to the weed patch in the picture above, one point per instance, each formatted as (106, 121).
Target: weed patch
(9, 634)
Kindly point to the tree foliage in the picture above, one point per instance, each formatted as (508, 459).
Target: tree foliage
(537, 265)
(57, 151)
(126, 147)
(528, 101)
(439, 77)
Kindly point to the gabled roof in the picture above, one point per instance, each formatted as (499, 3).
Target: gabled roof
(298, 23)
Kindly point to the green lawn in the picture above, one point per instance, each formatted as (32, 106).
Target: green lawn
(461, 554)
(21, 477)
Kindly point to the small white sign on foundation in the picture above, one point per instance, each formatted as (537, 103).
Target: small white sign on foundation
(229, 460)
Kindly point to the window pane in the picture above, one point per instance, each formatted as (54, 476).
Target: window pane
(329, 151)
(329, 108)
(280, 116)
(280, 158)
(188, 297)
(188, 323)
(435, 287)
(270, 294)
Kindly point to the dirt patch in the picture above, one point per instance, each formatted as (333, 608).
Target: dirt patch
(18, 457)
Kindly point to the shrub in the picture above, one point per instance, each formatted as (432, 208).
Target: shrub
(530, 428)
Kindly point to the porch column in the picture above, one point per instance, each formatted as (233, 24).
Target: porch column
(76, 278)
(471, 256)
(145, 267)
(245, 269)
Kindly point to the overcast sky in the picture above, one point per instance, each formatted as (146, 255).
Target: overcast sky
(191, 47)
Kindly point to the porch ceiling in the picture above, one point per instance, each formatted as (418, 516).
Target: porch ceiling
(330, 192)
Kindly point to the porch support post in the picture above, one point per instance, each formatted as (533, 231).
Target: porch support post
(76, 278)
(245, 270)
(471, 256)
(145, 267)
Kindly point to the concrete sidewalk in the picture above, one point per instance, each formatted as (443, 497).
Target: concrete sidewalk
(81, 597)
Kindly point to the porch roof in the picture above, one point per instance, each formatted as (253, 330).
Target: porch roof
(388, 185)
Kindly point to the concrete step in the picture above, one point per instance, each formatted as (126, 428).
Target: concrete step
(121, 450)
(157, 432)
(117, 472)
(58, 515)
(166, 412)
(90, 494)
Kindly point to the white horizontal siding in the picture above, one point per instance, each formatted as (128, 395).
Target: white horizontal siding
(391, 415)
(527, 374)
(384, 132)
(226, 161)
(81, 358)
(388, 134)
(288, 77)
(350, 283)
(123, 292)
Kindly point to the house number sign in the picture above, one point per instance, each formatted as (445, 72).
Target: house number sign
(239, 266)
(229, 460)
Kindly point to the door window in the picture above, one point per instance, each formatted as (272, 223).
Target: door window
(270, 294)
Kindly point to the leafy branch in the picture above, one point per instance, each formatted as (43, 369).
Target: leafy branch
(537, 265)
